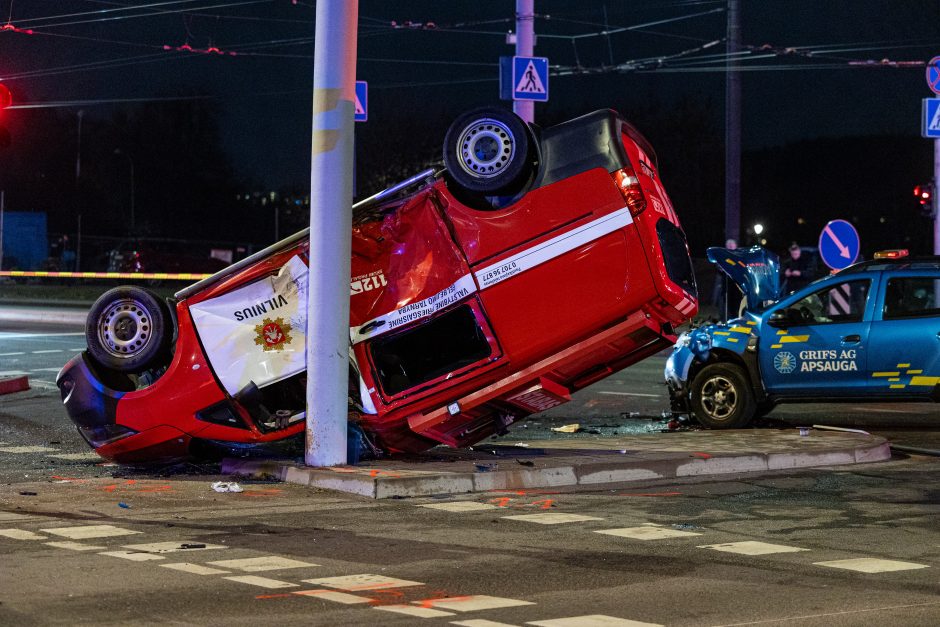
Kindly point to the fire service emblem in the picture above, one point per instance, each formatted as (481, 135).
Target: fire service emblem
(273, 335)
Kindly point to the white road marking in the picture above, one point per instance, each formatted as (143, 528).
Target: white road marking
(264, 582)
(46, 369)
(8, 516)
(12, 354)
(752, 548)
(260, 564)
(76, 546)
(13, 373)
(21, 534)
(592, 620)
(632, 394)
(133, 556)
(871, 565)
(352, 583)
(472, 603)
(77, 350)
(647, 533)
(460, 506)
(552, 518)
(26, 449)
(84, 532)
(333, 595)
(48, 350)
(411, 610)
(480, 622)
(172, 547)
(194, 569)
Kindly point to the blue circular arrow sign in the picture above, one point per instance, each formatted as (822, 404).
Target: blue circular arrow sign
(839, 244)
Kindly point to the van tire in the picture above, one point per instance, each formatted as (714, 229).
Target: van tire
(721, 397)
(489, 151)
(129, 329)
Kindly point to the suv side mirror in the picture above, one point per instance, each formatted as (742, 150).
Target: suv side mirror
(778, 318)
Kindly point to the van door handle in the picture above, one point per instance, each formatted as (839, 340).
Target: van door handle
(852, 339)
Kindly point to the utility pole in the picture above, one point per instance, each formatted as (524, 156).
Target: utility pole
(933, 198)
(78, 195)
(525, 47)
(2, 207)
(733, 127)
(331, 184)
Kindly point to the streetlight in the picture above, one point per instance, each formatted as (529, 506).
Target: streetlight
(118, 151)
(758, 228)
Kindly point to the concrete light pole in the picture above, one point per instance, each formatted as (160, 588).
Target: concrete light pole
(733, 127)
(525, 47)
(331, 184)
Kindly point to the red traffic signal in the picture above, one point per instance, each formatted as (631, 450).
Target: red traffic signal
(6, 99)
(924, 193)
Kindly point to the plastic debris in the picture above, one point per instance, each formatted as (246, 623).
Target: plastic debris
(486, 467)
(521, 444)
(227, 486)
(572, 428)
(525, 462)
(27, 493)
(192, 545)
(124, 505)
(804, 431)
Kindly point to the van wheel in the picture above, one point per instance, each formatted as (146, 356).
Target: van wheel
(721, 397)
(129, 329)
(489, 151)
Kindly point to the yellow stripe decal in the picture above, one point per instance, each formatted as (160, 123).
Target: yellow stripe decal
(740, 330)
(915, 372)
(793, 339)
(776, 346)
(894, 379)
(924, 380)
(732, 339)
(722, 333)
(781, 332)
(904, 365)
(886, 374)
(897, 386)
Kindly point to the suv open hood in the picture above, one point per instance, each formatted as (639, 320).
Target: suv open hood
(756, 271)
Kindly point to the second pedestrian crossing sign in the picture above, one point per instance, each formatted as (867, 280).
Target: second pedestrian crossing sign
(530, 78)
(931, 117)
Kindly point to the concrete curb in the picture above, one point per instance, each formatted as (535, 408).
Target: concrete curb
(9, 385)
(47, 315)
(564, 468)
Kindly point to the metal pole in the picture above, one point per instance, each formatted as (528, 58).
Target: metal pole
(334, 76)
(933, 199)
(733, 128)
(2, 203)
(525, 47)
(78, 195)
(133, 222)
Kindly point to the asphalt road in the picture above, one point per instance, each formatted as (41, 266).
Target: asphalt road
(86, 542)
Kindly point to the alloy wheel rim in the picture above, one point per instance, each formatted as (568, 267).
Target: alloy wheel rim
(719, 397)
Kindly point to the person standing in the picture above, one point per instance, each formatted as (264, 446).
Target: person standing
(796, 269)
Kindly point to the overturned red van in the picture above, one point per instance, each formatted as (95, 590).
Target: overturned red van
(536, 262)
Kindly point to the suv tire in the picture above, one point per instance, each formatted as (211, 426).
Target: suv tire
(721, 397)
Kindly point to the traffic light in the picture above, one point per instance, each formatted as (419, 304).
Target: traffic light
(924, 194)
(6, 99)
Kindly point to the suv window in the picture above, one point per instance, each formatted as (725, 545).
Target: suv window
(911, 297)
(843, 302)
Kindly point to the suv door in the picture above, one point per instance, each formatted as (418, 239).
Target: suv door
(905, 336)
(817, 344)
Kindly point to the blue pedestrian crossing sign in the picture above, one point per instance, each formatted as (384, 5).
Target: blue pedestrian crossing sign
(530, 78)
(839, 244)
(362, 101)
(931, 117)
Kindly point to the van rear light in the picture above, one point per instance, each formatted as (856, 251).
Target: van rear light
(629, 186)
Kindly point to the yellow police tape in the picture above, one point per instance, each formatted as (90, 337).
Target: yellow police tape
(182, 276)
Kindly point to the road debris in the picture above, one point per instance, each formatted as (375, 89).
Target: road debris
(227, 486)
(572, 428)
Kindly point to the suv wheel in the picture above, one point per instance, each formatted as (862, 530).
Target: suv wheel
(721, 397)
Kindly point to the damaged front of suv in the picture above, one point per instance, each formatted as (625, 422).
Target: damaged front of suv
(710, 366)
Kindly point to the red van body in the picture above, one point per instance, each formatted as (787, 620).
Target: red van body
(464, 318)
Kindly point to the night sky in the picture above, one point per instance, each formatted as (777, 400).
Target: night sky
(263, 93)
